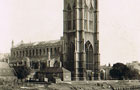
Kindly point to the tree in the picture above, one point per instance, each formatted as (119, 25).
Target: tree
(22, 71)
(134, 74)
(120, 71)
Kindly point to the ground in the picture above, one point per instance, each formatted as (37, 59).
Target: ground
(87, 85)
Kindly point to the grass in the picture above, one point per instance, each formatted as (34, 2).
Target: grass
(91, 85)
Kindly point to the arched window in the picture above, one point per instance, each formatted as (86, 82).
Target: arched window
(26, 52)
(30, 53)
(58, 50)
(20, 53)
(55, 51)
(44, 51)
(14, 54)
(89, 55)
(47, 50)
(33, 52)
(51, 51)
(40, 52)
(23, 53)
(17, 53)
(36, 51)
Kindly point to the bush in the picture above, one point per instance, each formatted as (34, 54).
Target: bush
(121, 71)
(22, 71)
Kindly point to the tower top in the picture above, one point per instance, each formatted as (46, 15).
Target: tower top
(22, 41)
(80, 3)
(12, 43)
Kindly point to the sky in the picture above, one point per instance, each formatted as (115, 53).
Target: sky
(42, 20)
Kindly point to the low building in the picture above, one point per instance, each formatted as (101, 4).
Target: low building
(6, 72)
(52, 73)
(104, 72)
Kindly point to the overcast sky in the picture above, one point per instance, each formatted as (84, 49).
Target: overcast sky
(42, 20)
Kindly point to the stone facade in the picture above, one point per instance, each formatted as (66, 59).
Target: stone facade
(81, 38)
(54, 72)
(37, 54)
(105, 72)
(78, 50)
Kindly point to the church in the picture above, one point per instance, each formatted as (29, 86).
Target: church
(78, 49)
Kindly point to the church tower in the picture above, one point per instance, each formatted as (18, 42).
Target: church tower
(81, 40)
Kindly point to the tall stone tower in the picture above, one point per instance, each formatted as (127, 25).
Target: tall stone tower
(81, 42)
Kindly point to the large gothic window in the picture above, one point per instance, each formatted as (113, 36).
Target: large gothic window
(89, 55)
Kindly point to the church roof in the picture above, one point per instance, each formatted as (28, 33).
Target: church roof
(41, 43)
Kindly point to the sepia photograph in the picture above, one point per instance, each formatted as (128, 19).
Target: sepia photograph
(69, 45)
